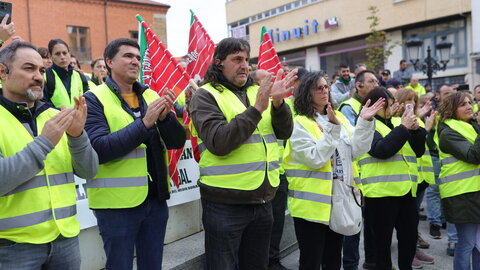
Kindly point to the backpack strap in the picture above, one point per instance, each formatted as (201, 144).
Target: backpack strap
(50, 79)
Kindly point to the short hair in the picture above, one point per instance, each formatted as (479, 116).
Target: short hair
(448, 105)
(94, 62)
(405, 94)
(476, 86)
(7, 54)
(303, 97)
(343, 65)
(403, 61)
(376, 94)
(54, 42)
(114, 46)
(44, 53)
(224, 48)
(361, 75)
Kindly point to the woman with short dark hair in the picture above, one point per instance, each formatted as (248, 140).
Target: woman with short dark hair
(459, 148)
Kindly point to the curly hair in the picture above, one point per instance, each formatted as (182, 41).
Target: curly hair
(225, 47)
(303, 96)
(449, 105)
(405, 94)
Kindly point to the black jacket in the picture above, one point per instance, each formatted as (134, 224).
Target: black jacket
(110, 146)
(464, 208)
(388, 146)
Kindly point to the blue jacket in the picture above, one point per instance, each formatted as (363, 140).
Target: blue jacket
(110, 146)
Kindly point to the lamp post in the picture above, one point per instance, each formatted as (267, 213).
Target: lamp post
(430, 65)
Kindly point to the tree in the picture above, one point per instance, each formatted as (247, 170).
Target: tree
(379, 46)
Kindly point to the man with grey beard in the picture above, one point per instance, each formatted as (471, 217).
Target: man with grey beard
(41, 149)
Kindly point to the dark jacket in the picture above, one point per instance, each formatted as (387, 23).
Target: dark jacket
(110, 146)
(464, 208)
(388, 146)
(221, 138)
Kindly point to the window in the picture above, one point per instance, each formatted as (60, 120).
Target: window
(133, 35)
(455, 32)
(80, 43)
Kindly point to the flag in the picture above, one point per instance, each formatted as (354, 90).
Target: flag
(200, 49)
(267, 57)
(160, 70)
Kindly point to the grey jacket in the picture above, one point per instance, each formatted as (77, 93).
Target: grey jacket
(464, 208)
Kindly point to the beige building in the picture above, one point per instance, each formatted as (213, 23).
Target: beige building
(321, 34)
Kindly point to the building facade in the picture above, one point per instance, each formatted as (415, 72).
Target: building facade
(86, 25)
(321, 34)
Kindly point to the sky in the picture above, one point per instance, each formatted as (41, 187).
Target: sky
(211, 14)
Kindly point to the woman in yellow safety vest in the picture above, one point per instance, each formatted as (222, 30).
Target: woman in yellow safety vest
(388, 173)
(99, 72)
(408, 99)
(319, 152)
(459, 147)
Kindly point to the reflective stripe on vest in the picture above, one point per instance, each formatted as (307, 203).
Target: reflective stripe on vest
(244, 168)
(37, 218)
(456, 176)
(26, 214)
(120, 183)
(41, 181)
(310, 190)
(60, 94)
(425, 163)
(395, 176)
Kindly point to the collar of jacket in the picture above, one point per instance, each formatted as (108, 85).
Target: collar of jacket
(61, 72)
(137, 87)
(346, 82)
(21, 110)
(387, 122)
(358, 97)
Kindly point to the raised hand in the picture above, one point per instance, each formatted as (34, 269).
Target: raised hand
(368, 112)
(168, 100)
(79, 117)
(431, 121)
(409, 120)
(6, 30)
(153, 112)
(424, 110)
(281, 87)
(332, 118)
(263, 95)
(395, 108)
(55, 127)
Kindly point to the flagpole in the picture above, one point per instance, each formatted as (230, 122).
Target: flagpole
(193, 84)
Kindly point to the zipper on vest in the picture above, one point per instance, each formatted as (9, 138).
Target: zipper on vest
(266, 167)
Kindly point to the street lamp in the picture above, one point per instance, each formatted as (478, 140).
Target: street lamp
(430, 65)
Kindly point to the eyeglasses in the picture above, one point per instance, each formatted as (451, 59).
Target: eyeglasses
(321, 88)
(373, 81)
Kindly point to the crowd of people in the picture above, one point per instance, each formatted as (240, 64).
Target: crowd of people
(353, 154)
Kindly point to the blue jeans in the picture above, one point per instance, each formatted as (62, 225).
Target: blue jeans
(237, 235)
(60, 254)
(467, 247)
(142, 227)
(351, 256)
(434, 206)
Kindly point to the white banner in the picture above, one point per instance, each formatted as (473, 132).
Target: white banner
(186, 191)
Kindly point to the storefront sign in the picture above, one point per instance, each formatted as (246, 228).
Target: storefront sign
(277, 35)
(186, 191)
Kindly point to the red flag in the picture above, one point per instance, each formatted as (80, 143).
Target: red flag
(160, 69)
(267, 57)
(200, 49)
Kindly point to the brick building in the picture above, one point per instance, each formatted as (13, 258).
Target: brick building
(86, 25)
